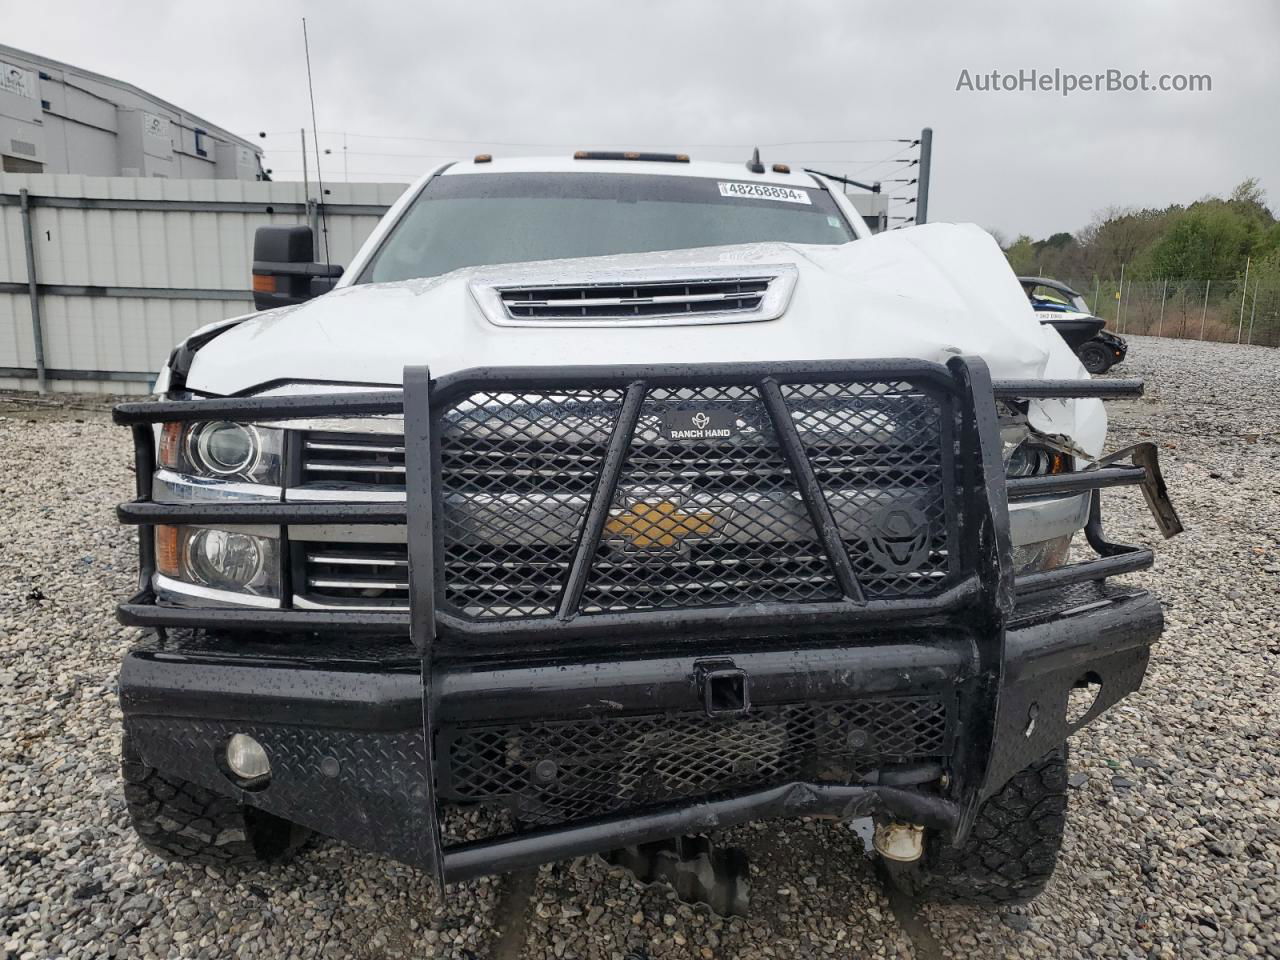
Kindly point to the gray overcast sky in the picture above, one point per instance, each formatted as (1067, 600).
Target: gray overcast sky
(685, 75)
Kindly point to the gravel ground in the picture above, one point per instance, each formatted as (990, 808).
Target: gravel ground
(1172, 849)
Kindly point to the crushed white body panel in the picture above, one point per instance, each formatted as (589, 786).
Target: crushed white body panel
(927, 292)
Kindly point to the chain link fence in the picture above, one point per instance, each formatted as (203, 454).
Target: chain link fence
(1225, 309)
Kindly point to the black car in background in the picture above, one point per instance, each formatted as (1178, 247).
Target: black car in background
(1065, 310)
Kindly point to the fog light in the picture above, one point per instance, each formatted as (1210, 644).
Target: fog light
(246, 758)
(903, 842)
(225, 559)
(1042, 555)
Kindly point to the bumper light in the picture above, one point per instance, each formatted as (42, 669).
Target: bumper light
(246, 758)
(1042, 555)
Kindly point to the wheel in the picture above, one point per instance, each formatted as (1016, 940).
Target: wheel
(184, 822)
(1011, 852)
(1095, 357)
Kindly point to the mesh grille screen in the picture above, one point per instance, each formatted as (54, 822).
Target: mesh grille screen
(517, 472)
(707, 522)
(877, 451)
(700, 518)
(551, 772)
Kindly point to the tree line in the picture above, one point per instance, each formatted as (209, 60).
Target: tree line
(1179, 248)
(1209, 239)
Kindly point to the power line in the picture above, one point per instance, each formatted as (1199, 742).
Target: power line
(416, 156)
(578, 143)
(880, 169)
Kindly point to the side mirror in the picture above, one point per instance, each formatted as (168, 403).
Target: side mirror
(284, 267)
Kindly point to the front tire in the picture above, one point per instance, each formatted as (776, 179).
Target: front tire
(1095, 357)
(187, 823)
(1012, 850)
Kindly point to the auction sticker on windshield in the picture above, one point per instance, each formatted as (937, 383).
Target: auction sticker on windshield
(764, 191)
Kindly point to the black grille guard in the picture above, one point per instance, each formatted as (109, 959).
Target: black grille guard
(980, 590)
(984, 577)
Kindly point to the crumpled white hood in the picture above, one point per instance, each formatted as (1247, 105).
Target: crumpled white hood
(927, 292)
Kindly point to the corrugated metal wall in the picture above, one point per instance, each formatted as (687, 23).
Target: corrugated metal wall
(155, 275)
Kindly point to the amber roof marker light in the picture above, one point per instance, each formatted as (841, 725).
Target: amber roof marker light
(631, 155)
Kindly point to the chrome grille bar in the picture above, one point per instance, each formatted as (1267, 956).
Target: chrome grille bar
(636, 296)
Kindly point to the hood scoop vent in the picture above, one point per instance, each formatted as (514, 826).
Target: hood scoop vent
(642, 298)
(635, 300)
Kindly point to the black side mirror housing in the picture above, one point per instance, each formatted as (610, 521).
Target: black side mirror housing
(284, 267)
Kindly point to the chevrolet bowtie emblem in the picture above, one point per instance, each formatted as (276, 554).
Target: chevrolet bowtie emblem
(649, 526)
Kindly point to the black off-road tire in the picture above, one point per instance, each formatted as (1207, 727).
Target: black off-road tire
(184, 822)
(1012, 850)
(1095, 357)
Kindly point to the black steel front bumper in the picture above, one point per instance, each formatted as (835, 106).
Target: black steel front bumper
(363, 732)
(344, 727)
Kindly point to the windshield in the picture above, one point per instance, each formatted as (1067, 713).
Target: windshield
(477, 219)
(1044, 297)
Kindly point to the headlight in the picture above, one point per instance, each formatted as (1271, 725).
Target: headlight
(1027, 456)
(1031, 459)
(219, 559)
(224, 450)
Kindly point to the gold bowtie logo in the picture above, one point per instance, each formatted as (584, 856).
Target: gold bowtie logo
(663, 524)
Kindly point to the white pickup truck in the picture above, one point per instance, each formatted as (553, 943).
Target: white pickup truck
(610, 500)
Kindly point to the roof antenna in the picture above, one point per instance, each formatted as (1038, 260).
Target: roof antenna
(315, 136)
(754, 164)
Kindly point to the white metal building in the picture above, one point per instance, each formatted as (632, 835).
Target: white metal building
(56, 118)
(101, 276)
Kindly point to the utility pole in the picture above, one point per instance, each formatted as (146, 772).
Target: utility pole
(1205, 310)
(1126, 297)
(926, 163)
(1254, 311)
(1163, 294)
(1119, 294)
(1244, 292)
